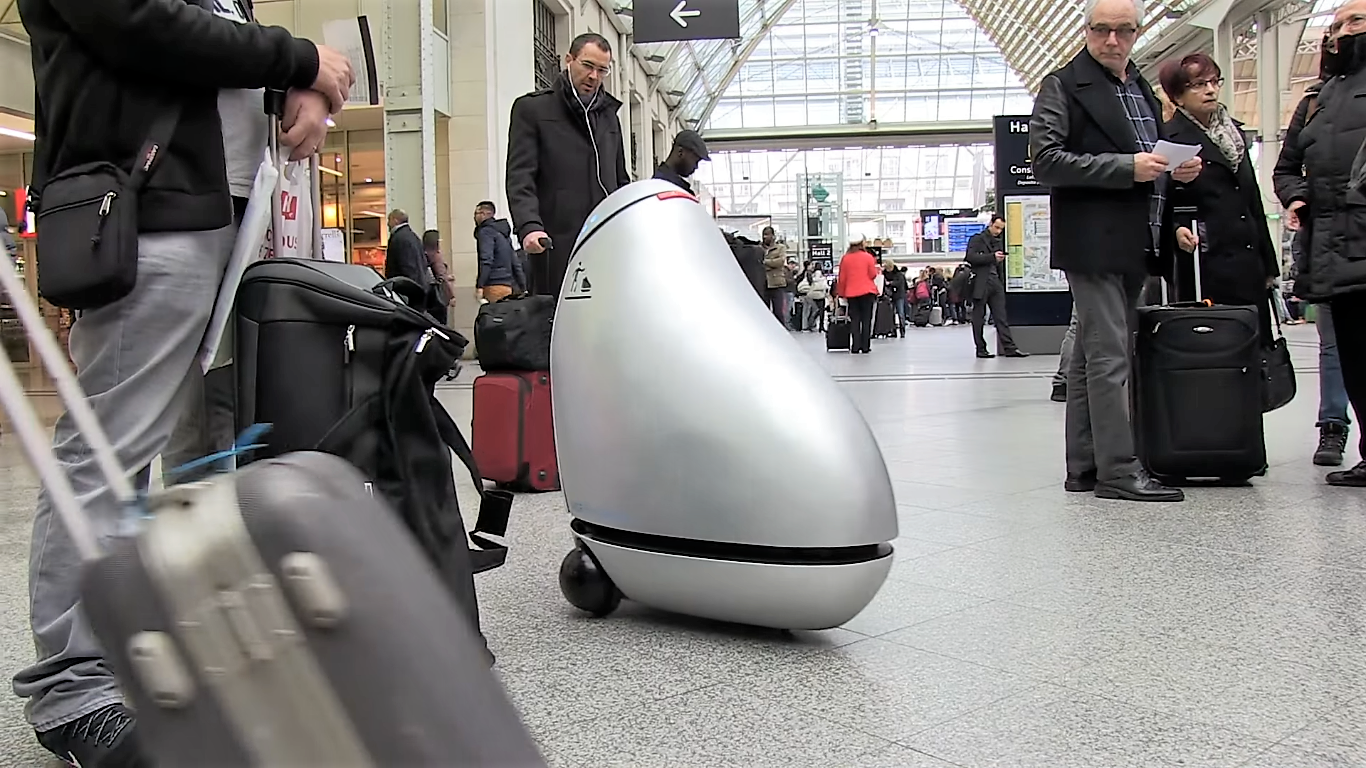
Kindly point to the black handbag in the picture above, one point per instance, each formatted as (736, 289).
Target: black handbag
(87, 226)
(514, 334)
(1278, 374)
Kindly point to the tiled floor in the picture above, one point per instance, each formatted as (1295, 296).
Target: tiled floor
(1022, 627)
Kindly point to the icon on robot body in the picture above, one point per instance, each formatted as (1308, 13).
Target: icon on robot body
(579, 285)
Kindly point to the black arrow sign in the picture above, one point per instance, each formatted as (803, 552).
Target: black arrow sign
(662, 21)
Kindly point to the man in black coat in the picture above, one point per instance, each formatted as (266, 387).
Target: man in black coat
(986, 251)
(404, 255)
(1319, 179)
(1091, 137)
(564, 157)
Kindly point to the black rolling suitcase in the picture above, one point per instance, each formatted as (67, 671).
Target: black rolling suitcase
(839, 333)
(1196, 390)
(274, 616)
(884, 318)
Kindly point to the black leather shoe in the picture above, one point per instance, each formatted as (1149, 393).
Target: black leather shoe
(984, 355)
(1083, 483)
(1059, 393)
(1352, 478)
(1137, 487)
(1016, 353)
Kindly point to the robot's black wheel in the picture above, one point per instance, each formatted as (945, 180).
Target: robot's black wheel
(586, 585)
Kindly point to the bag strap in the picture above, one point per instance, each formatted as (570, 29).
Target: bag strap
(1275, 313)
(495, 505)
(158, 138)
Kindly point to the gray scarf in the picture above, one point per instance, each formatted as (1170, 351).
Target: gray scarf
(1224, 133)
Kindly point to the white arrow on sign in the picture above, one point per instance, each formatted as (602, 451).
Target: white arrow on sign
(681, 16)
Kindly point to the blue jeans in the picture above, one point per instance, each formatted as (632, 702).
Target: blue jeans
(900, 304)
(1332, 392)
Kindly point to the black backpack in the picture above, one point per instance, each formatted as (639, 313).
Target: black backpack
(335, 360)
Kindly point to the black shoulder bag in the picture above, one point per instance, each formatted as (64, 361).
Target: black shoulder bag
(1278, 375)
(87, 226)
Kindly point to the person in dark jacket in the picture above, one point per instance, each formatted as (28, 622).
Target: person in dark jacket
(404, 256)
(985, 251)
(1238, 261)
(443, 282)
(894, 287)
(688, 152)
(749, 255)
(1319, 181)
(1095, 123)
(500, 271)
(103, 74)
(564, 157)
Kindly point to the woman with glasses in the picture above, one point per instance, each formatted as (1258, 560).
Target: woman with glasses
(1239, 262)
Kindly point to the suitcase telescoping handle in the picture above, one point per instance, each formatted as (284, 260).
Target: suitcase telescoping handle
(1178, 213)
(275, 110)
(37, 441)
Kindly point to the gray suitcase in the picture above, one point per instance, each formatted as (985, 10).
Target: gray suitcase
(278, 616)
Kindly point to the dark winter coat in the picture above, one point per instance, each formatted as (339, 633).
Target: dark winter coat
(1315, 166)
(981, 256)
(1082, 146)
(564, 157)
(1236, 250)
(103, 71)
(498, 262)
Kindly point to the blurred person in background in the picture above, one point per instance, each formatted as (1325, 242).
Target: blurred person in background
(856, 283)
(500, 271)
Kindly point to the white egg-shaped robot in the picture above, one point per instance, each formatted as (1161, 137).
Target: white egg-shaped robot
(683, 418)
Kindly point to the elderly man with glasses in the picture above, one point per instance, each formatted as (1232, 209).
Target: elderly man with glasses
(1091, 137)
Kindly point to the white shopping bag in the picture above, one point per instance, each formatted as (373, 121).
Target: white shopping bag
(252, 243)
(296, 214)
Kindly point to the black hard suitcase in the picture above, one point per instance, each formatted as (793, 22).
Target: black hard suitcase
(838, 334)
(275, 616)
(884, 318)
(1196, 390)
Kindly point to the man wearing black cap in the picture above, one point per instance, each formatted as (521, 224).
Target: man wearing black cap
(688, 152)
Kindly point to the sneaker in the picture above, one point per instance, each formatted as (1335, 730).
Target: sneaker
(1352, 478)
(1059, 393)
(1332, 444)
(106, 738)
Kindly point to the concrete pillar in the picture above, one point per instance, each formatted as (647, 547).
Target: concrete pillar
(409, 111)
(1223, 56)
(1269, 71)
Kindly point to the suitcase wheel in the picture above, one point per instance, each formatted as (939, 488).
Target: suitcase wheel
(586, 585)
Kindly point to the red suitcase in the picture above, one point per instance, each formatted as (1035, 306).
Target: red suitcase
(513, 431)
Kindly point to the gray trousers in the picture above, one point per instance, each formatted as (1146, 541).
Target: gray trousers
(1069, 339)
(1098, 432)
(133, 359)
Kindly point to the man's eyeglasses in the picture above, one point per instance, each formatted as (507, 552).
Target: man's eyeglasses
(1355, 21)
(1104, 31)
(591, 67)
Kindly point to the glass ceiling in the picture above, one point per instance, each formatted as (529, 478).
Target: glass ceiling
(820, 62)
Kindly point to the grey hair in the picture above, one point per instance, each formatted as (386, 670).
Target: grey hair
(1090, 9)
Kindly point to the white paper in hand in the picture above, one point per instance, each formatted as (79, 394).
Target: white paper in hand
(1176, 154)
